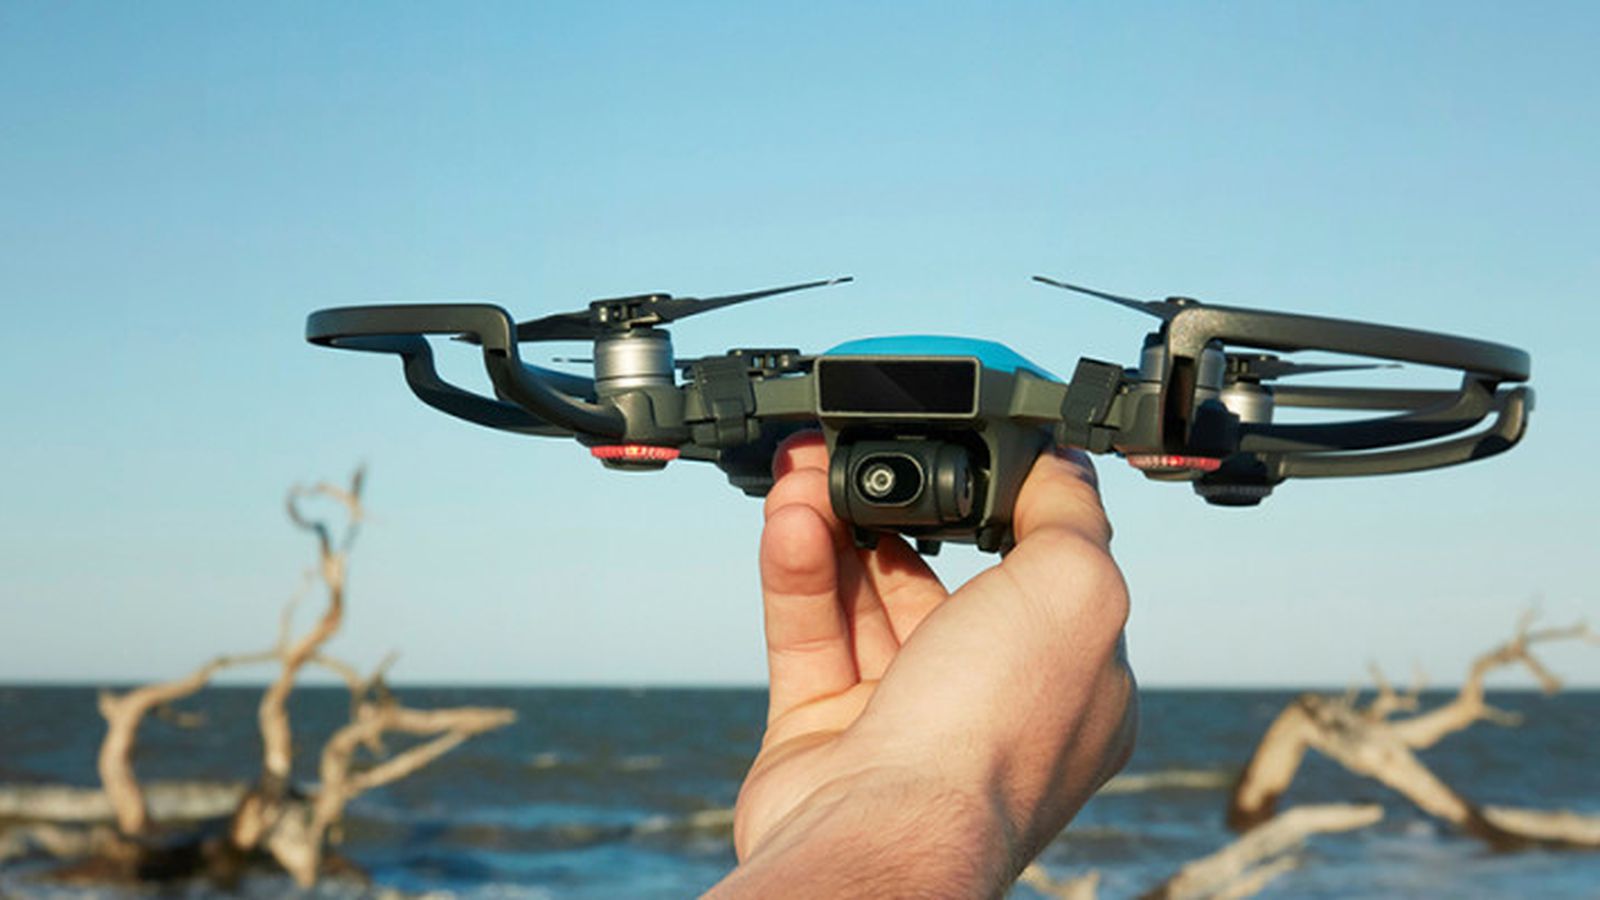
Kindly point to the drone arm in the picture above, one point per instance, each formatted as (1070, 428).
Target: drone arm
(523, 385)
(1510, 422)
(492, 327)
(1036, 400)
(787, 398)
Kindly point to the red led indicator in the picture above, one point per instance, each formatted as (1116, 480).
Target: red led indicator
(1144, 461)
(634, 452)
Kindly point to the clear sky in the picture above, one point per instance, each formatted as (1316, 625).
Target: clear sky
(181, 183)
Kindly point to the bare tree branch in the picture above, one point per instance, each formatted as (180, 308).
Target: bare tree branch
(292, 827)
(1556, 827)
(260, 808)
(296, 841)
(1245, 866)
(1369, 744)
(1388, 701)
(1469, 706)
(1271, 768)
(124, 714)
(1082, 887)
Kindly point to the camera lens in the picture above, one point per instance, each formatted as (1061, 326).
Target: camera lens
(889, 479)
(877, 480)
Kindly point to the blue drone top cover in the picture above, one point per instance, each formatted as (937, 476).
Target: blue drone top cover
(990, 354)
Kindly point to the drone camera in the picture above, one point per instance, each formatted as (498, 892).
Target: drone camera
(907, 483)
(889, 479)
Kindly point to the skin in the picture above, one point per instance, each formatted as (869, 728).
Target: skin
(922, 742)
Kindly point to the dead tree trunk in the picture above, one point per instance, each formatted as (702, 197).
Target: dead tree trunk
(124, 713)
(298, 840)
(293, 829)
(262, 807)
(1369, 743)
(1245, 866)
(1241, 869)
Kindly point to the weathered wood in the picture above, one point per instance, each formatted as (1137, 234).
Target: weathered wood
(1245, 866)
(298, 839)
(263, 805)
(1370, 743)
(1081, 887)
(166, 801)
(124, 714)
(270, 819)
(1470, 706)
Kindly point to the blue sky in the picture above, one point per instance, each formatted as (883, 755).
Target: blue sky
(182, 183)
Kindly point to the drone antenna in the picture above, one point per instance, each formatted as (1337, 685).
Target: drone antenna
(1163, 311)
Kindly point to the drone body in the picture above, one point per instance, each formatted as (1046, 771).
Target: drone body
(931, 437)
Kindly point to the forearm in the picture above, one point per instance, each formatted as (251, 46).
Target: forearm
(883, 835)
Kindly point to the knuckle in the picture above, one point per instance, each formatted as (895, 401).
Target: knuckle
(793, 542)
(800, 487)
(1080, 563)
(1066, 501)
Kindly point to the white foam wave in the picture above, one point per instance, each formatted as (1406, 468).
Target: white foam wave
(1169, 780)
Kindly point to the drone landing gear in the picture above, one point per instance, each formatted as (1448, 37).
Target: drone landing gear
(864, 538)
(867, 539)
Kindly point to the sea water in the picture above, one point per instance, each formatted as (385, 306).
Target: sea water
(626, 793)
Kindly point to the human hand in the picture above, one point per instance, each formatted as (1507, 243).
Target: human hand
(917, 733)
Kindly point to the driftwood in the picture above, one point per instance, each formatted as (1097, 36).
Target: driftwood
(1241, 869)
(263, 806)
(1368, 741)
(270, 817)
(297, 838)
(124, 714)
(167, 802)
(1081, 887)
(1245, 866)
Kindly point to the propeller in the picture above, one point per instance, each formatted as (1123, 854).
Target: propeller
(1164, 311)
(622, 313)
(1265, 367)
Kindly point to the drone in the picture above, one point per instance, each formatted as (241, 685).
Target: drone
(931, 437)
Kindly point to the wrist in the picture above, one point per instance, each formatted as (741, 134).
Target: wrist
(884, 832)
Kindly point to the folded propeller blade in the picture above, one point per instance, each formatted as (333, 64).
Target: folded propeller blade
(681, 307)
(569, 326)
(1265, 367)
(621, 313)
(1162, 311)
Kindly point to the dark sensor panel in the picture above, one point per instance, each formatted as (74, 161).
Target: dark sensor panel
(893, 386)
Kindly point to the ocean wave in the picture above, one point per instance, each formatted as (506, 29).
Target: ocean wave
(705, 821)
(546, 760)
(643, 762)
(550, 823)
(549, 760)
(1170, 780)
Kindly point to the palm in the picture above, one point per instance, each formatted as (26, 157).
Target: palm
(850, 688)
(856, 608)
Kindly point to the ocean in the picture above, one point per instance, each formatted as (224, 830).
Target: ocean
(625, 793)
